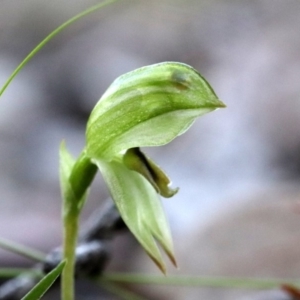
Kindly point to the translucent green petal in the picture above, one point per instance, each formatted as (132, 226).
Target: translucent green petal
(140, 207)
(148, 107)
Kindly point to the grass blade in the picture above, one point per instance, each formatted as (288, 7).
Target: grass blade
(13, 272)
(201, 281)
(22, 250)
(41, 288)
(51, 36)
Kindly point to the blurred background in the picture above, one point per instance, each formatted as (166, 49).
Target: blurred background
(234, 166)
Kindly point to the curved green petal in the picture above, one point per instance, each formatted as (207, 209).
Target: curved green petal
(140, 208)
(148, 107)
(134, 159)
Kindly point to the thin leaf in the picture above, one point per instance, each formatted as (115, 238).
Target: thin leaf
(51, 36)
(200, 281)
(41, 288)
(22, 250)
(13, 272)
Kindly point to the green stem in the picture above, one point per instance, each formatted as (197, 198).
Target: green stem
(79, 180)
(71, 221)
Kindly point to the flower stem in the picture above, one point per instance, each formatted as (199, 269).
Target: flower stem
(76, 178)
(71, 220)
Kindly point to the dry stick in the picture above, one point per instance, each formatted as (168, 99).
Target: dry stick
(92, 253)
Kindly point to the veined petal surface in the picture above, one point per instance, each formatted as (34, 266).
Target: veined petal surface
(140, 208)
(148, 107)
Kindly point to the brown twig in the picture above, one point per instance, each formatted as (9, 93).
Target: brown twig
(92, 253)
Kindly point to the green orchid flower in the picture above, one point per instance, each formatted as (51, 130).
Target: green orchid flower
(147, 107)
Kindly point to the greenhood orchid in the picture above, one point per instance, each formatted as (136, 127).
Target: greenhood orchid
(147, 107)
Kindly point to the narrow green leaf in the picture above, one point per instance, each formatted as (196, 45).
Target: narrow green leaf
(140, 208)
(50, 37)
(13, 272)
(22, 250)
(200, 281)
(41, 288)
